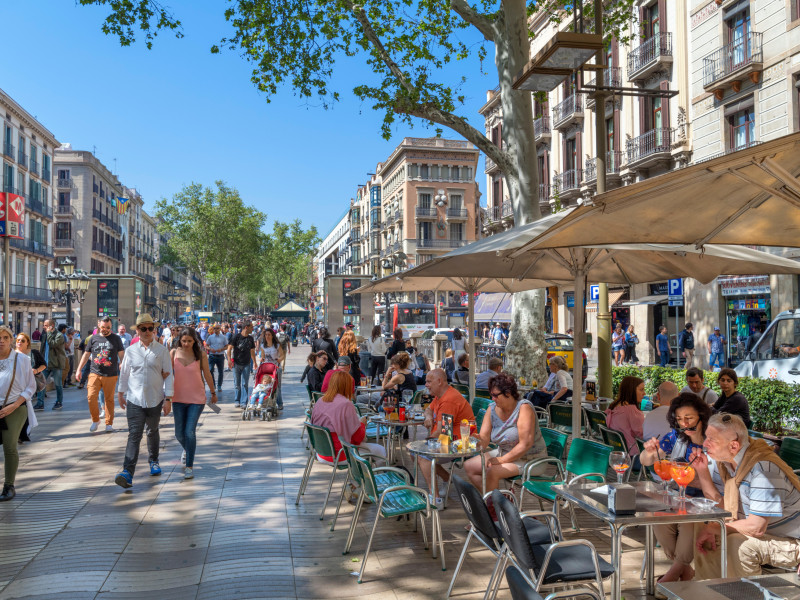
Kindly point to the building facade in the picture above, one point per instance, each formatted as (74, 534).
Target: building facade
(27, 171)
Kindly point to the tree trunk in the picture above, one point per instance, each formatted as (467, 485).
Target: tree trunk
(525, 351)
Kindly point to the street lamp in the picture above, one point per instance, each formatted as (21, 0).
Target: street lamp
(67, 285)
(440, 199)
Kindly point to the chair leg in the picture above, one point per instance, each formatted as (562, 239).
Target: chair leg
(491, 593)
(424, 531)
(369, 543)
(304, 480)
(460, 562)
(441, 542)
(328, 495)
(572, 518)
(354, 523)
(495, 573)
(341, 498)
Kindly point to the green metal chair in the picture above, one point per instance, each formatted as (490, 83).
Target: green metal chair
(461, 389)
(790, 452)
(394, 501)
(561, 417)
(616, 439)
(593, 419)
(646, 472)
(556, 442)
(321, 444)
(310, 397)
(542, 416)
(480, 403)
(479, 418)
(587, 459)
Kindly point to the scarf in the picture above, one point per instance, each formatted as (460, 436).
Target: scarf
(757, 451)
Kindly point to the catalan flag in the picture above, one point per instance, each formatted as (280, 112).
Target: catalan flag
(122, 205)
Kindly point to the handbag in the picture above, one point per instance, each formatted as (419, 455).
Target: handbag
(3, 424)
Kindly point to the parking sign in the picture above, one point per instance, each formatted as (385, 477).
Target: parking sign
(675, 287)
(594, 293)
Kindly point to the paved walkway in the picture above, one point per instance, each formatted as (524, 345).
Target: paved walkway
(232, 532)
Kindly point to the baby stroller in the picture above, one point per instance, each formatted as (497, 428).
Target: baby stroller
(262, 404)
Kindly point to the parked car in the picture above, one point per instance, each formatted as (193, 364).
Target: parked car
(560, 344)
(776, 354)
(429, 333)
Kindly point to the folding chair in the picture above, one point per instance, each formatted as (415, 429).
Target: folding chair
(322, 445)
(559, 564)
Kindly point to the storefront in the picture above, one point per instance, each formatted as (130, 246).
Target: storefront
(748, 306)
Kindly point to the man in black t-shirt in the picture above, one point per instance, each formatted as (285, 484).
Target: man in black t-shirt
(104, 351)
(242, 352)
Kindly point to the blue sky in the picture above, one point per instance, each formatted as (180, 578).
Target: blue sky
(177, 114)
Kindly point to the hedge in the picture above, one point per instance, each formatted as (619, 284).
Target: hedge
(774, 405)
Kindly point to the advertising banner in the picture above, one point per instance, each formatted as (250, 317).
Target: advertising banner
(12, 215)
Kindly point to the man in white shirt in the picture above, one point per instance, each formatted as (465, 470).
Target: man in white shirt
(696, 385)
(124, 336)
(655, 423)
(145, 389)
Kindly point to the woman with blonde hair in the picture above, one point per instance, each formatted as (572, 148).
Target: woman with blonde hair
(557, 387)
(335, 412)
(17, 387)
(349, 347)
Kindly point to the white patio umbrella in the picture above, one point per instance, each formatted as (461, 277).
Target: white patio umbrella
(622, 263)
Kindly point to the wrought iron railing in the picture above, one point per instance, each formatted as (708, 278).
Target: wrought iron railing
(613, 165)
(736, 55)
(568, 180)
(567, 107)
(654, 141)
(649, 51)
(541, 126)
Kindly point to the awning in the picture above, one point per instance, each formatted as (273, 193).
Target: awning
(655, 299)
(614, 297)
(493, 307)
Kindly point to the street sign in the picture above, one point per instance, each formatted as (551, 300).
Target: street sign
(676, 302)
(12, 215)
(594, 293)
(675, 287)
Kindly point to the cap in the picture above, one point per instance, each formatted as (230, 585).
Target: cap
(350, 325)
(716, 328)
(344, 361)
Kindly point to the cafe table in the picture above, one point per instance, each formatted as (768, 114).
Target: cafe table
(782, 585)
(380, 419)
(652, 508)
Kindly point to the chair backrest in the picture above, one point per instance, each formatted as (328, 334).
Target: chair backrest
(483, 393)
(595, 418)
(320, 438)
(476, 510)
(649, 471)
(367, 477)
(460, 388)
(349, 453)
(479, 418)
(480, 403)
(316, 396)
(542, 416)
(556, 442)
(519, 587)
(587, 456)
(560, 416)
(790, 452)
(613, 438)
(308, 390)
(512, 530)
(417, 399)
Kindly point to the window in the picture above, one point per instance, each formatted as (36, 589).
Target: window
(570, 154)
(456, 202)
(63, 231)
(63, 198)
(741, 128)
(63, 173)
(781, 342)
(652, 20)
(738, 25)
(425, 230)
(497, 193)
(424, 200)
(456, 231)
(8, 177)
(43, 276)
(423, 172)
(19, 276)
(31, 274)
(21, 183)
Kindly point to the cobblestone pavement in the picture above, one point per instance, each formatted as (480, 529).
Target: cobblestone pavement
(232, 532)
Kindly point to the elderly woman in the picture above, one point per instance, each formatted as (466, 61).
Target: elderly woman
(688, 416)
(335, 411)
(511, 424)
(557, 387)
(17, 386)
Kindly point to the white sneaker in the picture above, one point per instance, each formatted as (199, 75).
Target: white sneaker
(188, 473)
(110, 429)
(102, 413)
(93, 427)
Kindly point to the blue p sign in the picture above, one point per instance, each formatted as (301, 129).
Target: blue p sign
(675, 287)
(594, 293)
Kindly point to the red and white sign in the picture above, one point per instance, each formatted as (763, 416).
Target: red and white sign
(12, 215)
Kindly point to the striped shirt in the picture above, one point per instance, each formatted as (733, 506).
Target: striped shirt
(767, 492)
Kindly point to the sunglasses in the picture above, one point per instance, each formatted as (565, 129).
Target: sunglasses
(495, 394)
(150, 328)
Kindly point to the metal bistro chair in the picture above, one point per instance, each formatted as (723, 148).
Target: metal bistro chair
(587, 459)
(790, 452)
(461, 388)
(542, 416)
(322, 444)
(593, 419)
(483, 529)
(547, 565)
(616, 439)
(561, 417)
(555, 441)
(394, 501)
(522, 590)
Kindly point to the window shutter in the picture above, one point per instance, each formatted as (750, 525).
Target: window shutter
(665, 119)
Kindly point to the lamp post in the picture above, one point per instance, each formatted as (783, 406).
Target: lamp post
(67, 286)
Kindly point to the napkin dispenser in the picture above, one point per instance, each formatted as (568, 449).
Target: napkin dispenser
(621, 499)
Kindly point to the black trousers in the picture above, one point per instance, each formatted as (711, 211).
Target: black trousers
(141, 420)
(377, 364)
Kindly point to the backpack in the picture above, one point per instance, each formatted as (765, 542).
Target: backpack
(283, 339)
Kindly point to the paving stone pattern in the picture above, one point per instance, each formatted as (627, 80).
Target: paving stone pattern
(231, 532)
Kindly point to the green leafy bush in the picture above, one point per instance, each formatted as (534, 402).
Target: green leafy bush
(774, 405)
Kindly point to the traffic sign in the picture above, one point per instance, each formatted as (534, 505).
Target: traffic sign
(594, 293)
(675, 287)
(676, 302)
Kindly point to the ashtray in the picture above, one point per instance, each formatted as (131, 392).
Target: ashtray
(704, 503)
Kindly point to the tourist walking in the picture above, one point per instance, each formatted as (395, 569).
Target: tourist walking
(190, 367)
(631, 339)
(716, 350)
(37, 362)
(459, 343)
(216, 344)
(56, 359)
(662, 346)
(325, 343)
(105, 350)
(17, 386)
(270, 350)
(686, 344)
(124, 336)
(145, 390)
(242, 356)
(377, 353)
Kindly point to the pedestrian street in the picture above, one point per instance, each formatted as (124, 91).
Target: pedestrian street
(232, 532)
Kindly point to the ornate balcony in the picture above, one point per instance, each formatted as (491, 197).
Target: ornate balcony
(541, 128)
(440, 244)
(613, 168)
(650, 56)
(649, 148)
(568, 111)
(730, 65)
(457, 214)
(427, 213)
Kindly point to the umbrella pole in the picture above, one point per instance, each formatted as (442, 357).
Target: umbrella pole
(577, 353)
(471, 341)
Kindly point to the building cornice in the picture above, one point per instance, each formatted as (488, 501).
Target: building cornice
(28, 120)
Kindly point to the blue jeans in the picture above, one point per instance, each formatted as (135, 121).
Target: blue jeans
(278, 395)
(57, 376)
(241, 377)
(664, 358)
(186, 417)
(717, 359)
(217, 360)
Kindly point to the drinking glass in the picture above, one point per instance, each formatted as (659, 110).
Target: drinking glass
(619, 462)
(408, 395)
(663, 468)
(464, 432)
(473, 427)
(683, 474)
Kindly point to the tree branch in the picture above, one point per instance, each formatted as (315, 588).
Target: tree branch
(480, 21)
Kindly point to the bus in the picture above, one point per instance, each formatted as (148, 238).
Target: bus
(412, 317)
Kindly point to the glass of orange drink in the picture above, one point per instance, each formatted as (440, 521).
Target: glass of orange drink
(620, 462)
(683, 474)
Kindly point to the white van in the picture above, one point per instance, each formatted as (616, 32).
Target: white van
(776, 354)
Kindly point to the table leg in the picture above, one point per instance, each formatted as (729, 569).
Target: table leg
(616, 563)
(483, 474)
(433, 495)
(723, 535)
(649, 564)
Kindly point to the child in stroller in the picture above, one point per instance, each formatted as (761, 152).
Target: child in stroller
(261, 403)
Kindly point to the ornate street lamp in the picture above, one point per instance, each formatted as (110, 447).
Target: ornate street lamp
(67, 285)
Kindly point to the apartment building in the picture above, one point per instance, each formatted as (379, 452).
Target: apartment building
(27, 171)
(332, 258)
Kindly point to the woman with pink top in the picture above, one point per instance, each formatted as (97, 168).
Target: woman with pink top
(190, 366)
(625, 414)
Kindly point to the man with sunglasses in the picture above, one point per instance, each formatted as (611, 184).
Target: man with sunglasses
(104, 351)
(145, 390)
(316, 375)
(762, 493)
